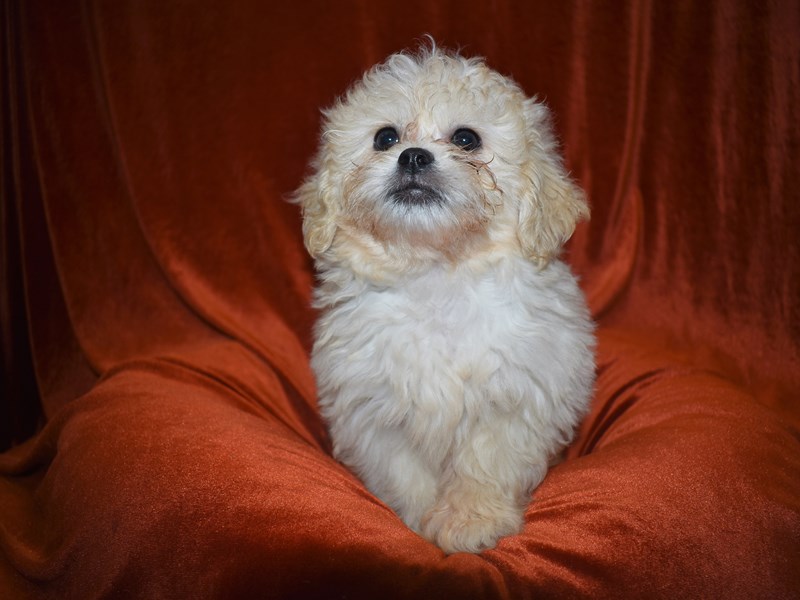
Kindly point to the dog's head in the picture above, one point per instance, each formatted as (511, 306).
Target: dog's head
(433, 156)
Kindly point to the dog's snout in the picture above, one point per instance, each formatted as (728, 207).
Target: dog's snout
(414, 160)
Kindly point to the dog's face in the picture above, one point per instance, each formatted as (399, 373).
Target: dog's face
(436, 157)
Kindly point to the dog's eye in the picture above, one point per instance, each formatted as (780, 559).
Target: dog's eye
(466, 139)
(386, 138)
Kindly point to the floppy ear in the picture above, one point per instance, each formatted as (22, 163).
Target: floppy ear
(551, 203)
(319, 222)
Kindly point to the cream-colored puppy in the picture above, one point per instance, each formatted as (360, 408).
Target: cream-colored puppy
(454, 351)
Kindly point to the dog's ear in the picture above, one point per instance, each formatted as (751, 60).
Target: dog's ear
(551, 203)
(315, 196)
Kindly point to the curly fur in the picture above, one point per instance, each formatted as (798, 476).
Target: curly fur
(454, 351)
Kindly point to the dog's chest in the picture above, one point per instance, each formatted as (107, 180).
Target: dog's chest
(448, 321)
(438, 344)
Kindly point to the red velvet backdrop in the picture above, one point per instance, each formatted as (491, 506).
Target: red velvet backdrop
(154, 301)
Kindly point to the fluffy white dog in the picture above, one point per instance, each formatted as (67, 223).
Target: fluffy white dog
(454, 351)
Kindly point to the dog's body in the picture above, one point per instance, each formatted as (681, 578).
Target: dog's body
(454, 352)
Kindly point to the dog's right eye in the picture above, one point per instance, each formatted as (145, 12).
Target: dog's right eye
(386, 138)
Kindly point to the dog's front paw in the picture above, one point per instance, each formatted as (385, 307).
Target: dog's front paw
(469, 530)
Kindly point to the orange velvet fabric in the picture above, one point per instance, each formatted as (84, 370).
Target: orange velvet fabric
(157, 399)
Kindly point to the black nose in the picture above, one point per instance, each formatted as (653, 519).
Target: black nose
(414, 160)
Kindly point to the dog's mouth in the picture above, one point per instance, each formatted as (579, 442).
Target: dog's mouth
(415, 194)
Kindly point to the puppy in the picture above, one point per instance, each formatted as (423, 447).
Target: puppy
(454, 353)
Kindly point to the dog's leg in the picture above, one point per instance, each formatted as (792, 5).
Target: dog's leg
(484, 496)
(394, 472)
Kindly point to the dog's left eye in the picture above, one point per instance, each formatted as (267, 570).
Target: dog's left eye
(386, 138)
(466, 139)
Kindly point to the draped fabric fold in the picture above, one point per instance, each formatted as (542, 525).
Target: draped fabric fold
(158, 411)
